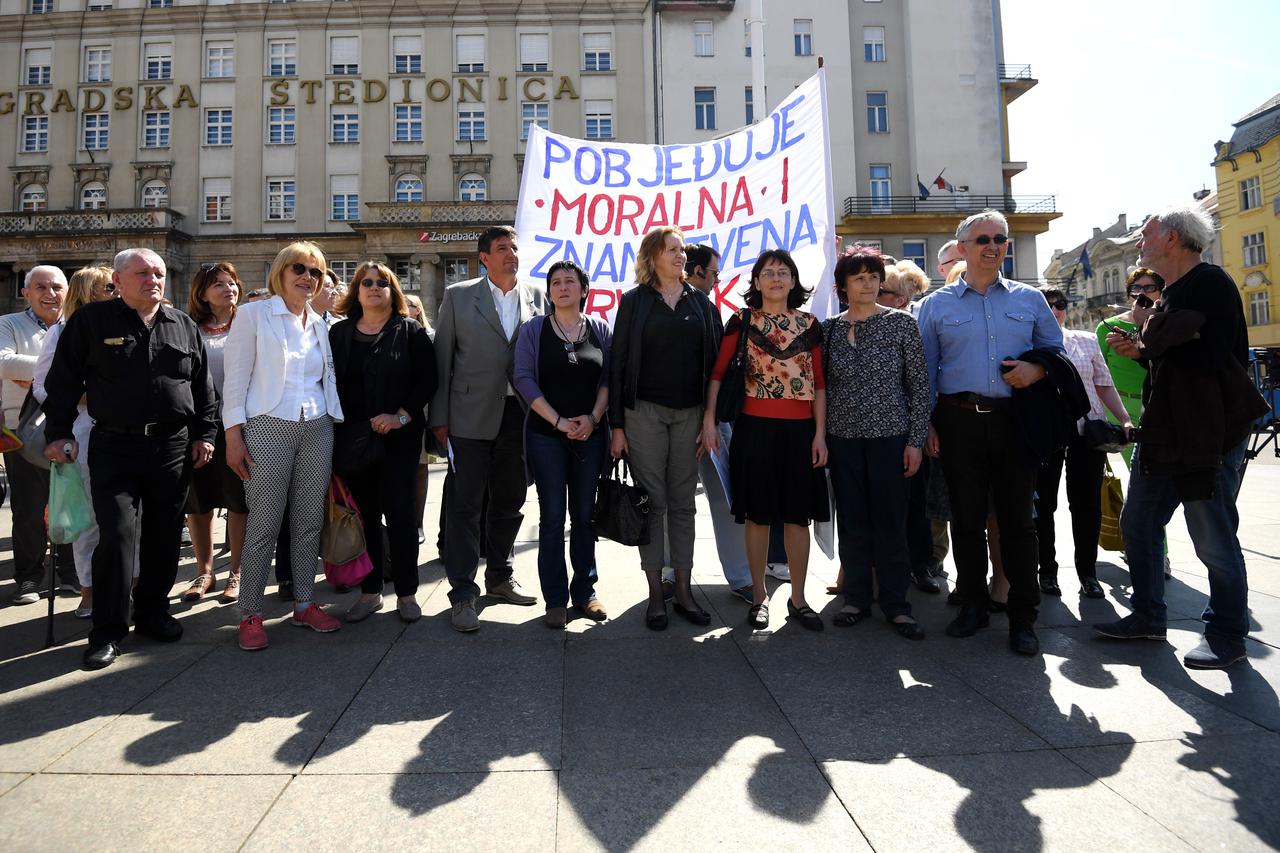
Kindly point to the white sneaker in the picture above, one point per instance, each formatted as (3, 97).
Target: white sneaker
(780, 571)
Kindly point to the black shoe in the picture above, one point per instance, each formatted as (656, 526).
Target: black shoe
(162, 629)
(1090, 588)
(668, 590)
(285, 591)
(936, 570)
(997, 606)
(909, 630)
(925, 583)
(954, 599)
(1215, 653)
(968, 623)
(1022, 639)
(28, 593)
(1049, 586)
(758, 616)
(806, 616)
(656, 621)
(745, 593)
(695, 614)
(101, 656)
(1135, 626)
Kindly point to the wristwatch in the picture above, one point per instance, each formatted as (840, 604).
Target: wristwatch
(404, 420)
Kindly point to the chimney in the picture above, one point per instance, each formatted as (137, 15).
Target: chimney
(1097, 232)
(1124, 223)
(1200, 195)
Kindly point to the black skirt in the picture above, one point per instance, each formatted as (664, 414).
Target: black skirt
(216, 486)
(772, 475)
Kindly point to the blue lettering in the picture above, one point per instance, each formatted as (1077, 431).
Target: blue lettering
(607, 267)
(699, 157)
(597, 162)
(670, 164)
(615, 167)
(561, 156)
(729, 165)
(788, 124)
(773, 143)
(744, 242)
(540, 268)
(808, 235)
(571, 254)
(657, 169)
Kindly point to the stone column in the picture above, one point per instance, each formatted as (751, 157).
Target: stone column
(432, 286)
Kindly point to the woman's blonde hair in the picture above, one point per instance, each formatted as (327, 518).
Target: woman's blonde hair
(957, 269)
(653, 244)
(350, 306)
(289, 254)
(80, 287)
(906, 279)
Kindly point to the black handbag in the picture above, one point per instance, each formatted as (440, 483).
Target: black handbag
(733, 387)
(1104, 436)
(31, 431)
(356, 447)
(621, 512)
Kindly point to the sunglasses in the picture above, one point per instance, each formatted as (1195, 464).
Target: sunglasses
(109, 287)
(1135, 289)
(303, 269)
(983, 239)
(1058, 305)
(374, 282)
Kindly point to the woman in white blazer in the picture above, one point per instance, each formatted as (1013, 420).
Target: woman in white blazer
(279, 404)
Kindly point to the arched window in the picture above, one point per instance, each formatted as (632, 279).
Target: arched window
(408, 188)
(155, 194)
(93, 196)
(473, 188)
(34, 198)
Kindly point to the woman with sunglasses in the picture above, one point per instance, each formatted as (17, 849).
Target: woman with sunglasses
(279, 405)
(386, 369)
(1084, 464)
(562, 372)
(215, 292)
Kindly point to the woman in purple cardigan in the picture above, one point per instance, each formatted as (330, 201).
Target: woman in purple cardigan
(562, 371)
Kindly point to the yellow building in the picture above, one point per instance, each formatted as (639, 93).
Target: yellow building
(1248, 169)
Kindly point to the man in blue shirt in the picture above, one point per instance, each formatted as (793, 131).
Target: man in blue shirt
(973, 332)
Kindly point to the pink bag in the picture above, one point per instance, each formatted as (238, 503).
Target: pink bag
(346, 562)
(350, 573)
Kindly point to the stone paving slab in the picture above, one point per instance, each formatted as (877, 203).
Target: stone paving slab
(8, 780)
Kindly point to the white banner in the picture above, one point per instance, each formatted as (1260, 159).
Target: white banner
(767, 186)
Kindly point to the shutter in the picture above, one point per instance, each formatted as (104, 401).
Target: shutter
(344, 50)
(534, 49)
(344, 184)
(406, 46)
(470, 50)
(596, 41)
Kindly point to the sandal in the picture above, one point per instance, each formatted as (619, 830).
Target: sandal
(848, 616)
(231, 592)
(200, 585)
(805, 615)
(758, 616)
(908, 630)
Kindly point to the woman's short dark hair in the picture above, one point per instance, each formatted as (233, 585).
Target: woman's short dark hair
(861, 259)
(1140, 272)
(1050, 292)
(582, 280)
(795, 297)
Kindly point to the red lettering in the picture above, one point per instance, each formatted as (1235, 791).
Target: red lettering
(601, 301)
(558, 201)
(657, 213)
(786, 178)
(706, 200)
(628, 217)
(593, 219)
(722, 293)
(742, 199)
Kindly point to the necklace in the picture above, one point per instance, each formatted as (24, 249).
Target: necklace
(579, 335)
(215, 328)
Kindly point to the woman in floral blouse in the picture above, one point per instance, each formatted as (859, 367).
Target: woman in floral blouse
(779, 445)
(877, 419)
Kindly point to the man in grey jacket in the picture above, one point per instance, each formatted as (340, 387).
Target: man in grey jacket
(21, 336)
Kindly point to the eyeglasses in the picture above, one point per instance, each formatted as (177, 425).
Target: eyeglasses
(1058, 305)
(1135, 289)
(983, 239)
(714, 275)
(303, 269)
(108, 287)
(781, 275)
(374, 282)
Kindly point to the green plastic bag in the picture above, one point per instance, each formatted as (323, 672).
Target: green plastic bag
(69, 513)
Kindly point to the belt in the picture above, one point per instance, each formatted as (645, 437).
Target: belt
(149, 430)
(1129, 394)
(976, 402)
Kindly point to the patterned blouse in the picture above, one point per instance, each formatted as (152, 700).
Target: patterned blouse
(877, 387)
(784, 363)
(1083, 350)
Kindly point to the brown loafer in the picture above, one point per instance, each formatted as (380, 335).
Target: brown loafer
(594, 610)
(200, 585)
(556, 617)
(231, 592)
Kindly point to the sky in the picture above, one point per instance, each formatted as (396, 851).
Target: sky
(1132, 96)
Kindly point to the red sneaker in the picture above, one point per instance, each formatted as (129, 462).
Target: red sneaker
(252, 635)
(316, 619)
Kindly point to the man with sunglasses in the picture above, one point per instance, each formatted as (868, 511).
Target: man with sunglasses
(973, 331)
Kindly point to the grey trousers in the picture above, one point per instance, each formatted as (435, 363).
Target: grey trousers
(664, 462)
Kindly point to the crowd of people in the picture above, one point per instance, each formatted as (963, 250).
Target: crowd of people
(913, 425)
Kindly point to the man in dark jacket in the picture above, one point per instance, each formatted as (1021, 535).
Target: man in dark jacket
(1192, 444)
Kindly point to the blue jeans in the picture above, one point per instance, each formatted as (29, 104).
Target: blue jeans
(562, 467)
(1212, 524)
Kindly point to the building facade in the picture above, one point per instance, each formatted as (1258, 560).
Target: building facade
(1248, 172)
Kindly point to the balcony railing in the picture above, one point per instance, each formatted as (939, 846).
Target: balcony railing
(1014, 72)
(940, 202)
(462, 213)
(1105, 300)
(76, 221)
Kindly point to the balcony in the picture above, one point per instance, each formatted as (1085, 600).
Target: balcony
(461, 213)
(1015, 80)
(695, 5)
(81, 221)
(1115, 300)
(947, 204)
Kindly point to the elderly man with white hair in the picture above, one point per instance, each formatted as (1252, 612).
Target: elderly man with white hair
(143, 369)
(1198, 408)
(21, 336)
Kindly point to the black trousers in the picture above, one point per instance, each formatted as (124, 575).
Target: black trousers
(284, 549)
(386, 490)
(28, 496)
(981, 456)
(1084, 498)
(139, 487)
(919, 528)
(498, 466)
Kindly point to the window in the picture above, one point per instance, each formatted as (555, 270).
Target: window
(159, 4)
(282, 57)
(597, 52)
(456, 270)
(93, 196)
(155, 129)
(97, 64)
(344, 197)
(1255, 249)
(408, 189)
(344, 270)
(703, 39)
(1250, 194)
(41, 7)
(159, 61)
(408, 273)
(1007, 268)
(35, 133)
(96, 131)
(873, 44)
(217, 199)
(101, 6)
(704, 108)
(1259, 308)
(281, 125)
(915, 251)
(217, 127)
(155, 194)
(877, 112)
(881, 187)
(220, 59)
(344, 55)
(407, 54)
(746, 37)
(471, 125)
(344, 124)
(37, 63)
(282, 200)
(408, 123)
(34, 198)
(803, 28)
(470, 51)
(535, 52)
(473, 188)
(750, 100)
(534, 112)
(599, 119)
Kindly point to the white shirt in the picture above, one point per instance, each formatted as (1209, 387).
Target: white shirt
(508, 307)
(303, 398)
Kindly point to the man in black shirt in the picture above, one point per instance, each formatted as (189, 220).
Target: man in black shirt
(1191, 446)
(142, 366)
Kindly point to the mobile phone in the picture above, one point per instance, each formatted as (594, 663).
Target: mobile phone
(1128, 334)
(1143, 302)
